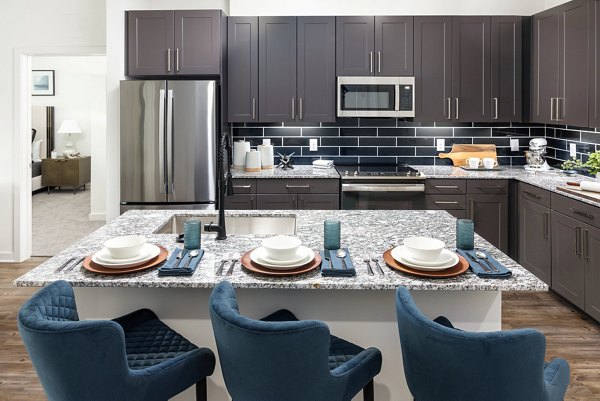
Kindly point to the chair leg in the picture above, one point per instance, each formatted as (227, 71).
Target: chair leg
(368, 392)
(201, 393)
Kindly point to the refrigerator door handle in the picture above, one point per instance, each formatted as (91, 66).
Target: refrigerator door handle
(170, 161)
(161, 141)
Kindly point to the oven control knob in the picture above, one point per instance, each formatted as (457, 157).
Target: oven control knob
(355, 172)
(346, 172)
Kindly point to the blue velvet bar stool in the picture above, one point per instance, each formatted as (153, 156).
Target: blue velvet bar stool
(133, 358)
(443, 363)
(280, 358)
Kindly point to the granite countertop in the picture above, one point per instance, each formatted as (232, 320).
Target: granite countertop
(297, 172)
(362, 231)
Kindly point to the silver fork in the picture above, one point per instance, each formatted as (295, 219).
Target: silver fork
(224, 260)
(74, 265)
(367, 260)
(376, 260)
(234, 260)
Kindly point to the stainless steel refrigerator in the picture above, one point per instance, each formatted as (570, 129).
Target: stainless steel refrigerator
(168, 144)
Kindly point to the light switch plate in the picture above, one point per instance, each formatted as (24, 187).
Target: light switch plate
(572, 150)
(314, 144)
(514, 145)
(441, 144)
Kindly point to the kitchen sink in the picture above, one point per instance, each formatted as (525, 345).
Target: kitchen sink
(268, 225)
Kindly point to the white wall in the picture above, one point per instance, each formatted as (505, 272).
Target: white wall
(35, 23)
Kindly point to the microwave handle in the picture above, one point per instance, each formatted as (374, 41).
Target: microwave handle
(397, 98)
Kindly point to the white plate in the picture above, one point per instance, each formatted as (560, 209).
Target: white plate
(398, 254)
(149, 251)
(445, 257)
(257, 257)
(104, 256)
(300, 254)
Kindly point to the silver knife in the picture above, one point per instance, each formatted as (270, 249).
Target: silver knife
(74, 265)
(64, 265)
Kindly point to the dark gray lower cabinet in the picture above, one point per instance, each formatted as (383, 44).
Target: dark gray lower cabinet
(490, 215)
(591, 256)
(318, 202)
(276, 202)
(535, 245)
(240, 202)
(568, 264)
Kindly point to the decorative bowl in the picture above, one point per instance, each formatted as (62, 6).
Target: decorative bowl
(281, 247)
(424, 248)
(125, 247)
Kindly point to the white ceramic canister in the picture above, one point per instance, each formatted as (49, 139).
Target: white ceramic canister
(267, 158)
(253, 161)
(239, 154)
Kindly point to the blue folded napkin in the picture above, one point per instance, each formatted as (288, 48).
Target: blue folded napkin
(502, 272)
(172, 268)
(335, 268)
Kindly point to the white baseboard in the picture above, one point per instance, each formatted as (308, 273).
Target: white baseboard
(7, 257)
(97, 216)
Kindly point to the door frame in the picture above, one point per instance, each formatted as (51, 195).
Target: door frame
(21, 151)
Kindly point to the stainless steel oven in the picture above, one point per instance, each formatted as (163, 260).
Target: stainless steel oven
(376, 97)
(382, 188)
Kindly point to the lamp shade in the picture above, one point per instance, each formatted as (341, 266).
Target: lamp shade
(69, 127)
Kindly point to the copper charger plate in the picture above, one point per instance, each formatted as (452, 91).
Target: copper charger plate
(96, 268)
(255, 267)
(461, 267)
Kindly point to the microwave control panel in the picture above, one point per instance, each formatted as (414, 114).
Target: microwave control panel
(406, 97)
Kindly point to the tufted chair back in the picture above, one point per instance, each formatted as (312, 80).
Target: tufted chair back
(270, 361)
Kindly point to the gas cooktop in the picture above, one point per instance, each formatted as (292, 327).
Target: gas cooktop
(392, 171)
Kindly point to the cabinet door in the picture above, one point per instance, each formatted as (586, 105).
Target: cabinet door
(277, 69)
(490, 215)
(572, 105)
(355, 41)
(433, 68)
(242, 69)
(568, 270)
(471, 68)
(276, 202)
(534, 239)
(544, 76)
(319, 202)
(198, 42)
(507, 67)
(594, 64)
(240, 202)
(393, 46)
(591, 255)
(150, 41)
(316, 69)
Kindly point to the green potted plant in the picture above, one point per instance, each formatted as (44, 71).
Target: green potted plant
(593, 164)
(572, 165)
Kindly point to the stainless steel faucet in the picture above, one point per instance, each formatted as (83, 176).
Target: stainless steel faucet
(224, 184)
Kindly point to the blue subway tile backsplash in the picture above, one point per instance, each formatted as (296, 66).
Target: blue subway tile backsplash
(390, 140)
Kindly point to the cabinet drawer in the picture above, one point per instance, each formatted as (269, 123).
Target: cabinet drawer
(445, 187)
(578, 210)
(534, 194)
(240, 202)
(298, 186)
(243, 186)
(318, 202)
(488, 187)
(276, 202)
(446, 202)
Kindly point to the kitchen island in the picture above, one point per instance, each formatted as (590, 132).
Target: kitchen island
(360, 309)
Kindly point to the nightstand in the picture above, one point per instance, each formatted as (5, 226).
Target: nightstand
(66, 172)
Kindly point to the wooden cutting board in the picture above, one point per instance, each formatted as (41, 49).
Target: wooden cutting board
(460, 153)
(594, 196)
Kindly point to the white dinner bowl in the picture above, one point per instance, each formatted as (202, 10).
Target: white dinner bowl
(128, 246)
(424, 248)
(281, 247)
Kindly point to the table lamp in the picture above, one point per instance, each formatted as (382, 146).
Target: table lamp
(69, 127)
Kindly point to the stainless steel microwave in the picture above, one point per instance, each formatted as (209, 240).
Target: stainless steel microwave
(376, 96)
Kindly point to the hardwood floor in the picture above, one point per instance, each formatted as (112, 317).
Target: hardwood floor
(569, 333)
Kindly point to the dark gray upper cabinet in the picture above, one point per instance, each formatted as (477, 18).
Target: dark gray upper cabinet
(594, 63)
(545, 66)
(507, 68)
(393, 46)
(316, 69)
(433, 68)
(242, 70)
(471, 68)
(355, 45)
(183, 42)
(150, 43)
(277, 69)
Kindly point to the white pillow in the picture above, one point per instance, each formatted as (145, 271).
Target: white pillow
(35, 151)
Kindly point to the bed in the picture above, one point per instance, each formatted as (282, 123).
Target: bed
(42, 142)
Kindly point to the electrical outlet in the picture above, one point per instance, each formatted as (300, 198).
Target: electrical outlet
(441, 144)
(314, 144)
(572, 150)
(514, 145)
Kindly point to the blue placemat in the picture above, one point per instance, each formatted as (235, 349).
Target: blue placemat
(333, 267)
(172, 268)
(502, 272)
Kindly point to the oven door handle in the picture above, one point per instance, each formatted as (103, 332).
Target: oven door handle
(383, 187)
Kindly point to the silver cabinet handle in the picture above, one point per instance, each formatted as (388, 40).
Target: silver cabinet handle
(254, 108)
(168, 60)
(552, 118)
(558, 99)
(495, 108)
(547, 225)
(578, 250)
(383, 188)
(457, 108)
(300, 108)
(446, 186)
(293, 108)
(536, 196)
(177, 60)
(243, 186)
(586, 245)
(378, 61)
(445, 202)
(449, 109)
(472, 206)
(297, 186)
(582, 214)
(371, 62)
